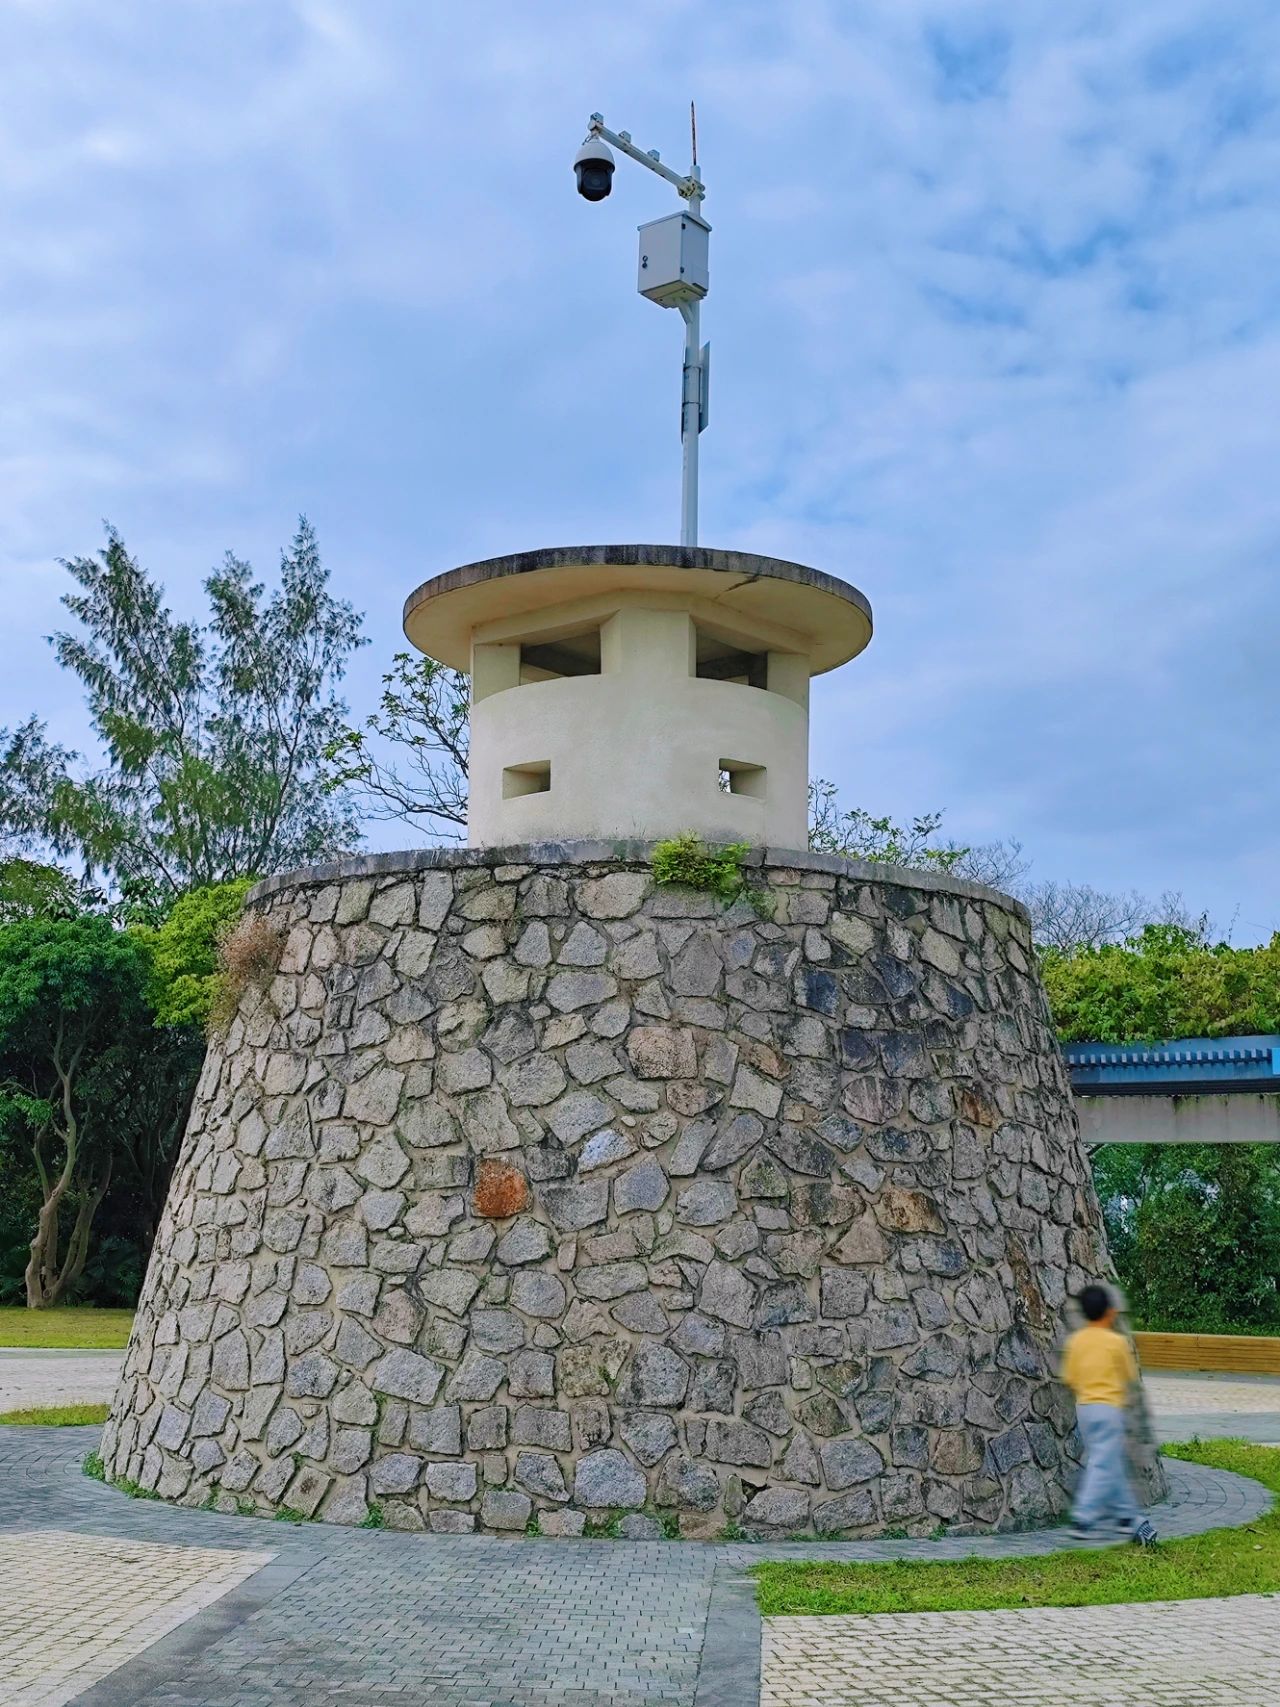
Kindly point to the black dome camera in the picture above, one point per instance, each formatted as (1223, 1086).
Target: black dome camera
(593, 168)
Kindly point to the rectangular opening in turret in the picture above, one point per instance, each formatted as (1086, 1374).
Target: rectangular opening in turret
(533, 778)
(736, 777)
(565, 655)
(722, 661)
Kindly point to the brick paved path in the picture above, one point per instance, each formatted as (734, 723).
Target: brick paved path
(370, 1618)
(1190, 1653)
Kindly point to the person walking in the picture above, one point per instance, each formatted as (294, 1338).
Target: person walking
(1099, 1368)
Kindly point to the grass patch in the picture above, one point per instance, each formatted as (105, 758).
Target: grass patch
(58, 1416)
(1219, 1563)
(93, 1467)
(70, 1327)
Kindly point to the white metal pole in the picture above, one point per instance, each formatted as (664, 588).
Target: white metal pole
(690, 424)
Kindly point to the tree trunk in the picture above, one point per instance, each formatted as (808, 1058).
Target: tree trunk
(43, 1261)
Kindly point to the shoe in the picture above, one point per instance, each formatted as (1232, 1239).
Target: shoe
(1144, 1534)
(1080, 1532)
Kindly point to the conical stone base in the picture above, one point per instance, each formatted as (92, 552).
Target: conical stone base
(527, 1193)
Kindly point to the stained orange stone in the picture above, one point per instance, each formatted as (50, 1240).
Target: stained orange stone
(501, 1190)
(977, 1108)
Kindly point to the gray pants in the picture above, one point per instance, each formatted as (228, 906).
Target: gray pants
(1105, 1490)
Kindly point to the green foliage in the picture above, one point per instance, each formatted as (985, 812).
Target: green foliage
(1165, 983)
(1222, 1562)
(855, 834)
(213, 733)
(375, 1517)
(287, 1514)
(687, 862)
(93, 1467)
(184, 952)
(88, 1086)
(1194, 1232)
(32, 890)
(670, 1521)
(604, 1528)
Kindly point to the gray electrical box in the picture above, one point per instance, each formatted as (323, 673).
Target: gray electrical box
(673, 259)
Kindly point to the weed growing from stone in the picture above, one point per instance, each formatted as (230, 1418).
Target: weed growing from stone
(604, 1529)
(248, 955)
(687, 862)
(533, 1529)
(288, 1514)
(134, 1490)
(93, 1467)
(375, 1517)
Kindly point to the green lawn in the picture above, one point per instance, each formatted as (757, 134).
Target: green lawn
(96, 1330)
(1221, 1562)
(58, 1416)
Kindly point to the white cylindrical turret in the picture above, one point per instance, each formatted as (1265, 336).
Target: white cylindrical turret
(638, 691)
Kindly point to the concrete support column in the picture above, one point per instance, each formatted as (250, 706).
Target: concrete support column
(648, 644)
(493, 668)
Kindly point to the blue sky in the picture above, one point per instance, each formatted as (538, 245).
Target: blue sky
(996, 318)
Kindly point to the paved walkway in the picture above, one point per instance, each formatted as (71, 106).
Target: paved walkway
(370, 1618)
(1207, 1405)
(1190, 1653)
(29, 1378)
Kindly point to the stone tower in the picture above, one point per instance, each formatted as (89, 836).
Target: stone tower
(527, 1192)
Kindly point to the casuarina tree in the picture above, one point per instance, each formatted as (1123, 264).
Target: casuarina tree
(213, 732)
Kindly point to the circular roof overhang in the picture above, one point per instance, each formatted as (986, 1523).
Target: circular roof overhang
(830, 616)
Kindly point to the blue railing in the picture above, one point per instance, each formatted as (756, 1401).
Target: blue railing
(1194, 1065)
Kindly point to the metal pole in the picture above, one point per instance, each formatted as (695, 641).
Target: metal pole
(690, 424)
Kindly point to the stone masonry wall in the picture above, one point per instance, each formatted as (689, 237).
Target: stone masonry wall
(527, 1192)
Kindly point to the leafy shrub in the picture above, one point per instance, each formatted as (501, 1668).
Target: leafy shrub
(1166, 983)
(184, 952)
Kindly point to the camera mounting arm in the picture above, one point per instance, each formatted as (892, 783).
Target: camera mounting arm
(690, 186)
(677, 278)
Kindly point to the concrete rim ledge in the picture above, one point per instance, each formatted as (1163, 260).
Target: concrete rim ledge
(622, 852)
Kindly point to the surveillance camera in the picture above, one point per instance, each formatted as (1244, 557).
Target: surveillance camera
(593, 168)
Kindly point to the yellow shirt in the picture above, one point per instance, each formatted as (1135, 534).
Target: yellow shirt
(1098, 1366)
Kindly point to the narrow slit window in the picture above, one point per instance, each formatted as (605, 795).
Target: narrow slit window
(737, 777)
(533, 778)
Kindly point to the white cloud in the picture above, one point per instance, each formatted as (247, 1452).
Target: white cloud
(996, 325)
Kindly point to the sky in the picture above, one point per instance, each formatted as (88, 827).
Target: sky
(995, 312)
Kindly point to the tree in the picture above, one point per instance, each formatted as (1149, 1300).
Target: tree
(853, 833)
(183, 953)
(1195, 1232)
(72, 1012)
(213, 733)
(1166, 982)
(32, 890)
(423, 713)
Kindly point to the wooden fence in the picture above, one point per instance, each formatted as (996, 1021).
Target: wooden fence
(1236, 1354)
